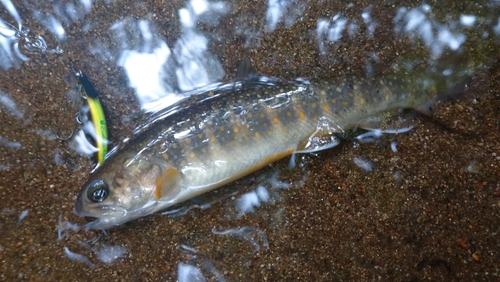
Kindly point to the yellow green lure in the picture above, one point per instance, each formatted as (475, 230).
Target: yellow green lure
(97, 116)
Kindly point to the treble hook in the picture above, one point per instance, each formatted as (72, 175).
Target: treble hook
(83, 95)
(78, 73)
(77, 121)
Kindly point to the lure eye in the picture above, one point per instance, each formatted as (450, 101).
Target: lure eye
(97, 191)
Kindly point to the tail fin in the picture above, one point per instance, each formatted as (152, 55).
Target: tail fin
(460, 89)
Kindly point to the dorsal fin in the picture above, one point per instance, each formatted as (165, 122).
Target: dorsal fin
(245, 71)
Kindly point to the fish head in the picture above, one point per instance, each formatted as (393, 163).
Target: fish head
(121, 190)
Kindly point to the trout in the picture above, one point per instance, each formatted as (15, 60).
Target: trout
(231, 130)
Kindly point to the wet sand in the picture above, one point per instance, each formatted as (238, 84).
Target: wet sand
(429, 211)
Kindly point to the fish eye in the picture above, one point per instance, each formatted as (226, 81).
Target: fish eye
(97, 191)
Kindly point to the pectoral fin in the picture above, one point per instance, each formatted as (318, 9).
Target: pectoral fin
(168, 184)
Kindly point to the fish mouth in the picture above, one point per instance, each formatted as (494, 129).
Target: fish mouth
(95, 221)
(106, 218)
(90, 218)
(98, 212)
(110, 216)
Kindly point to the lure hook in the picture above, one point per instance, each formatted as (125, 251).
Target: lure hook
(78, 73)
(77, 121)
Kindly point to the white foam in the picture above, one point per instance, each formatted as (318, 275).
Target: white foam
(467, 20)
(393, 147)
(262, 193)
(64, 226)
(248, 202)
(78, 258)
(251, 234)
(277, 184)
(364, 164)
(10, 105)
(189, 273)
(22, 216)
(108, 254)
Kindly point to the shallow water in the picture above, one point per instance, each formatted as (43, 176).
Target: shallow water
(426, 210)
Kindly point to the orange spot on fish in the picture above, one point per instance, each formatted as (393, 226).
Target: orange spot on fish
(276, 120)
(302, 115)
(326, 108)
(235, 129)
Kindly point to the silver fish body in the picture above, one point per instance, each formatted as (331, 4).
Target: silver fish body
(227, 132)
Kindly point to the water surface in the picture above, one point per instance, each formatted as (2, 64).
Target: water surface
(427, 207)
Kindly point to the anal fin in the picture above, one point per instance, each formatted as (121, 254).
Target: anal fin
(320, 140)
(323, 138)
(392, 122)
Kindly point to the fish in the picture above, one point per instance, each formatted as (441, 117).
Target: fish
(228, 131)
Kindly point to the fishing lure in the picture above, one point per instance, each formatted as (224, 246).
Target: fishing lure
(99, 132)
(96, 114)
